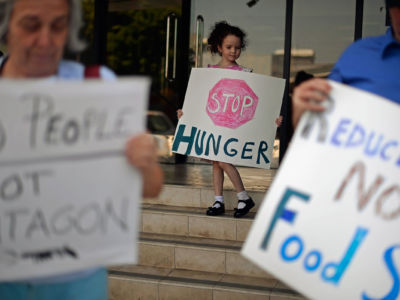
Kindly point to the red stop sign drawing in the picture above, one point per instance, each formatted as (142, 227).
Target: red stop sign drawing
(231, 103)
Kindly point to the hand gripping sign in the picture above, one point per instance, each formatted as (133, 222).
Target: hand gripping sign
(329, 226)
(229, 116)
(68, 198)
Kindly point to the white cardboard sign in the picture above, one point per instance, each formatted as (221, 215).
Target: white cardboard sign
(229, 116)
(329, 225)
(68, 198)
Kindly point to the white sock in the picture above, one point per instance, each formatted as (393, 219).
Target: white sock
(242, 196)
(218, 200)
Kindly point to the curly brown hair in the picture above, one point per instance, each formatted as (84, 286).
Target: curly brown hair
(220, 31)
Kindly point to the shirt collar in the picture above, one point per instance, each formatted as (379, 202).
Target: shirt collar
(388, 41)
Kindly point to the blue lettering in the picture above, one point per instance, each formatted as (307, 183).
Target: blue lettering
(261, 149)
(372, 152)
(395, 291)
(233, 151)
(199, 148)
(247, 150)
(371, 143)
(336, 270)
(317, 256)
(215, 144)
(179, 137)
(296, 255)
(353, 140)
(384, 155)
(282, 212)
(339, 130)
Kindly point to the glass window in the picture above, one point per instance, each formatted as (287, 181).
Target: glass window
(263, 22)
(87, 33)
(374, 18)
(136, 36)
(322, 30)
(137, 33)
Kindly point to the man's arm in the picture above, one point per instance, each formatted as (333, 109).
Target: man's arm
(141, 153)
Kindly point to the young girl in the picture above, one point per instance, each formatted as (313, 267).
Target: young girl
(228, 41)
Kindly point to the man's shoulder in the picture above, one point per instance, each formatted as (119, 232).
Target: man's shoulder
(373, 43)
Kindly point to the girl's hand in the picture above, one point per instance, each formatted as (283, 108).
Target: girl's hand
(278, 121)
(179, 113)
(308, 96)
(141, 153)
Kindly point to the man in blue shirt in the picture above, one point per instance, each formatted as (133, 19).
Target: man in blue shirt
(371, 64)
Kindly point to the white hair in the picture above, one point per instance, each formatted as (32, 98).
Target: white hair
(74, 43)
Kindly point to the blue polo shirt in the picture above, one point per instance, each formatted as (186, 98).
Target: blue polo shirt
(371, 64)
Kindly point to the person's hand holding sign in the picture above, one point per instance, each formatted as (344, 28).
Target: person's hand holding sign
(308, 96)
(179, 113)
(141, 153)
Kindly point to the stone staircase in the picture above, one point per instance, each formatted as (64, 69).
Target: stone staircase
(185, 254)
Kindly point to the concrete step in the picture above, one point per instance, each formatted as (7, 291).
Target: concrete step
(138, 282)
(201, 196)
(196, 254)
(193, 222)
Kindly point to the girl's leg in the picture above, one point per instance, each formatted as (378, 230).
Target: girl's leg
(245, 203)
(218, 178)
(218, 207)
(233, 175)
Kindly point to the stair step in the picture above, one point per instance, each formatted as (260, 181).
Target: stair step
(200, 196)
(201, 175)
(196, 254)
(193, 222)
(138, 282)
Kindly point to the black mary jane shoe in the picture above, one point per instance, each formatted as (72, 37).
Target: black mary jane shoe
(216, 211)
(243, 211)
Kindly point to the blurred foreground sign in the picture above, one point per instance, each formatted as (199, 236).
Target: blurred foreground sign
(330, 224)
(68, 198)
(229, 116)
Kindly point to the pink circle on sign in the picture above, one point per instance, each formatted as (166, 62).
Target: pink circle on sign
(231, 103)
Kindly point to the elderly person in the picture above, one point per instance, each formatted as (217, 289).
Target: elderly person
(36, 32)
(371, 64)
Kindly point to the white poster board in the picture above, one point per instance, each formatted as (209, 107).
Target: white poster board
(69, 200)
(329, 225)
(229, 116)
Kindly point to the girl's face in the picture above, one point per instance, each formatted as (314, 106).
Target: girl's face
(230, 48)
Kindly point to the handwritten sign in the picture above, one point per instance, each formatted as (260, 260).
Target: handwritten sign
(229, 116)
(68, 198)
(329, 226)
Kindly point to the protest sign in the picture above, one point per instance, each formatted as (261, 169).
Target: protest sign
(329, 225)
(229, 116)
(69, 200)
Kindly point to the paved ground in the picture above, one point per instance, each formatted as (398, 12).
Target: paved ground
(201, 175)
